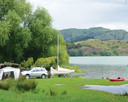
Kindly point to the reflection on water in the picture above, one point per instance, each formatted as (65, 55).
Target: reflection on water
(103, 71)
(119, 89)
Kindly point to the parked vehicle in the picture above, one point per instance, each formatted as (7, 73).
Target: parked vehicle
(35, 72)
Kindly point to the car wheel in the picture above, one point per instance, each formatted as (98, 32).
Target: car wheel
(43, 76)
(59, 75)
(27, 76)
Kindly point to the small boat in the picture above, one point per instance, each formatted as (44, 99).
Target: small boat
(61, 71)
(117, 79)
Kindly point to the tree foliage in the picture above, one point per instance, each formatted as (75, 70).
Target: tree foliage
(27, 64)
(46, 62)
(25, 34)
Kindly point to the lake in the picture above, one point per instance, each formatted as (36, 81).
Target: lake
(99, 67)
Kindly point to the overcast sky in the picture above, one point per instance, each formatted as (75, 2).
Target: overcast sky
(111, 14)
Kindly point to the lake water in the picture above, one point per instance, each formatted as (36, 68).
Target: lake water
(115, 89)
(100, 60)
(102, 67)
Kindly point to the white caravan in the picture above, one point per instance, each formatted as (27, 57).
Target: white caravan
(9, 72)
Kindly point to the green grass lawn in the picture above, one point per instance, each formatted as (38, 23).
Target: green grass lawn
(70, 90)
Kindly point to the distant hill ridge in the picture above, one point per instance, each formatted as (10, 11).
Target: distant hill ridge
(103, 34)
(95, 47)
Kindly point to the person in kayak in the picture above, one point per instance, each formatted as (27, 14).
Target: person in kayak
(118, 78)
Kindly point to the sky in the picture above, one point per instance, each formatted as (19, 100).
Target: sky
(83, 14)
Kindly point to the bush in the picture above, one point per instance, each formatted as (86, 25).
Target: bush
(6, 84)
(26, 85)
(22, 84)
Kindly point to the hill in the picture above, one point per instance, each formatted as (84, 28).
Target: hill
(103, 34)
(95, 47)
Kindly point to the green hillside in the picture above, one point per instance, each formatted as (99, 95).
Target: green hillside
(103, 34)
(95, 47)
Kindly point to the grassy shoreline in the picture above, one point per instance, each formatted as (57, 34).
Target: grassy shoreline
(69, 90)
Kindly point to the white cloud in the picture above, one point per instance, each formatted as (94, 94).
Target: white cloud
(86, 13)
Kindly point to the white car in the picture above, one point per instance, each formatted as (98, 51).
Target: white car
(35, 72)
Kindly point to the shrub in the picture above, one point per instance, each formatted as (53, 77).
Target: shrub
(6, 84)
(26, 85)
(22, 84)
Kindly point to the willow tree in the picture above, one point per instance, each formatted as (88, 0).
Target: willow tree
(25, 34)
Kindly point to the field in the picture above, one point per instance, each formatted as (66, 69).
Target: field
(64, 90)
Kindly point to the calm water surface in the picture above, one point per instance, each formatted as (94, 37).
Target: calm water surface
(100, 60)
(115, 89)
(102, 67)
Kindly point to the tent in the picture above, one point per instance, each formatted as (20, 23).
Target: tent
(9, 72)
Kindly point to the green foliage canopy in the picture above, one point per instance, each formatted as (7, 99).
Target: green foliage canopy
(27, 64)
(25, 34)
(46, 62)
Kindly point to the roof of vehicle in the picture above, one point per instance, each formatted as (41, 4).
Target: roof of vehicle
(38, 68)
